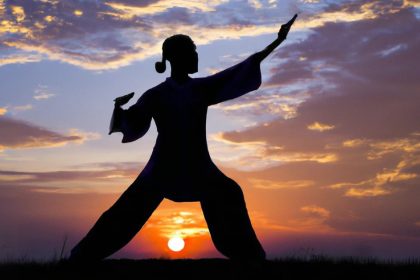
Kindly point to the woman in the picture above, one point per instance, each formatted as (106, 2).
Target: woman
(180, 167)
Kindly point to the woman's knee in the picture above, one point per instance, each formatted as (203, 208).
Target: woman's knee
(228, 188)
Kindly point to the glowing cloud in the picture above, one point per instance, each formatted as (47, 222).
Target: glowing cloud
(257, 155)
(319, 211)
(15, 177)
(18, 12)
(78, 13)
(317, 126)
(141, 26)
(382, 148)
(381, 184)
(275, 185)
(263, 102)
(20, 58)
(353, 143)
(126, 11)
(183, 224)
(314, 219)
(367, 192)
(299, 157)
(101, 178)
(49, 18)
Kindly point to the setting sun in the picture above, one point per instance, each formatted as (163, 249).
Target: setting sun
(176, 244)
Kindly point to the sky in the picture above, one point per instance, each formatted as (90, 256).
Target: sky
(327, 150)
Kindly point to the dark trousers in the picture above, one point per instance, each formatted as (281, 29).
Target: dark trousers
(223, 206)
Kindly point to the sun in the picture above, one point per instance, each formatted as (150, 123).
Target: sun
(176, 244)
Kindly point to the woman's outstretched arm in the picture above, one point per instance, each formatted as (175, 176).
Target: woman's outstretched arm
(284, 30)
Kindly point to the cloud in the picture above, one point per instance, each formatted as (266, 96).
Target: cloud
(316, 210)
(88, 178)
(20, 58)
(35, 178)
(372, 146)
(353, 143)
(315, 219)
(20, 108)
(310, 1)
(3, 111)
(259, 154)
(266, 103)
(367, 89)
(17, 134)
(320, 126)
(179, 222)
(298, 76)
(100, 35)
(367, 192)
(382, 183)
(18, 12)
(42, 93)
(133, 9)
(275, 185)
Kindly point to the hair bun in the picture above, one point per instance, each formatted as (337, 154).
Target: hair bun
(160, 66)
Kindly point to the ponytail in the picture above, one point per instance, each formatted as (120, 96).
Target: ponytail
(160, 66)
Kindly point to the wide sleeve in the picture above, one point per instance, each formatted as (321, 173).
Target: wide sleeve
(133, 122)
(232, 82)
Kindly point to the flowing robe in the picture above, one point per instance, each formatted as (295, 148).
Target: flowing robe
(180, 161)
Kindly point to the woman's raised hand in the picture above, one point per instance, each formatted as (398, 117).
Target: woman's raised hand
(285, 28)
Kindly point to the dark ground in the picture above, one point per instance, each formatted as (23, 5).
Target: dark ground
(315, 268)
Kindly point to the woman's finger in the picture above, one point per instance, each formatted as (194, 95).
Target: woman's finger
(290, 22)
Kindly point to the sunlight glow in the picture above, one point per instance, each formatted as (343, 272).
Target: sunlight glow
(78, 13)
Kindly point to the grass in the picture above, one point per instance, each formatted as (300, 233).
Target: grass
(316, 267)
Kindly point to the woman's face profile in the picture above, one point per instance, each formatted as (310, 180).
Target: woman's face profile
(193, 61)
(189, 58)
(186, 59)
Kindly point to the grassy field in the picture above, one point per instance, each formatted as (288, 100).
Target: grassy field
(314, 268)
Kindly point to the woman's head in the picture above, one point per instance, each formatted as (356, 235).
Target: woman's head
(180, 51)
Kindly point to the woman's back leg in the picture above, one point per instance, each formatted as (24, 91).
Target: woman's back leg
(120, 223)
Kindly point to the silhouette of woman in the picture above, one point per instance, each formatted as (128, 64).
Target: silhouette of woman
(180, 167)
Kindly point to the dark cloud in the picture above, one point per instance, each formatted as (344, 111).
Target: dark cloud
(15, 134)
(54, 21)
(345, 57)
(371, 101)
(291, 72)
(176, 15)
(370, 96)
(96, 36)
(86, 173)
